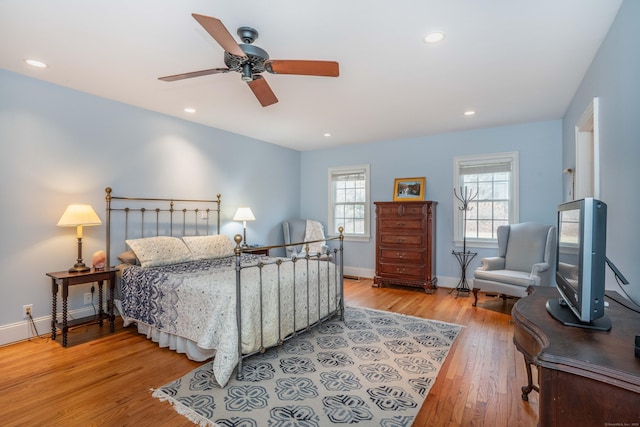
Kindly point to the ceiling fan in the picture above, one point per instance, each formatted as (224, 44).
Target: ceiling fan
(250, 61)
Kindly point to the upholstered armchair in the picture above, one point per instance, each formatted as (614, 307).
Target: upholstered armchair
(303, 230)
(526, 256)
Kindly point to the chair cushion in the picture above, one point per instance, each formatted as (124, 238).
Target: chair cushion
(509, 277)
(525, 246)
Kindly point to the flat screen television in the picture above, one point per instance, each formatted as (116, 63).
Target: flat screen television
(580, 265)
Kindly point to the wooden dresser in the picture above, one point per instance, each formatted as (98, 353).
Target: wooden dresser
(405, 244)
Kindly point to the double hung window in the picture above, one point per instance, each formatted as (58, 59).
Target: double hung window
(349, 201)
(491, 181)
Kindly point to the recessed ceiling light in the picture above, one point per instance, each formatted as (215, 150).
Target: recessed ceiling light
(189, 110)
(434, 37)
(35, 63)
(469, 113)
(327, 134)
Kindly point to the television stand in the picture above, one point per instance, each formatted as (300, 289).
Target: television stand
(563, 314)
(585, 377)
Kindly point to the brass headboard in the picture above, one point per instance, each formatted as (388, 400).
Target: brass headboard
(136, 217)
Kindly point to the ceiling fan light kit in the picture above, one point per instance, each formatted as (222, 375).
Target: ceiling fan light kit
(250, 61)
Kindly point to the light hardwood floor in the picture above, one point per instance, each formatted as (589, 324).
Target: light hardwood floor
(104, 379)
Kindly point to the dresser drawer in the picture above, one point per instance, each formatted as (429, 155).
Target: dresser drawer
(401, 255)
(401, 210)
(401, 224)
(401, 239)
(405, 271)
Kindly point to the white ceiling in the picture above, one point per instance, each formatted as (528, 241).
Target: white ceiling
(511, 61)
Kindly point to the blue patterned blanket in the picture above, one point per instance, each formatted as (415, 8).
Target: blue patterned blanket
(197, 301)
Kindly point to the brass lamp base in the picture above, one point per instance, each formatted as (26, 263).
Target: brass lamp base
(244, 234)
(79, 268)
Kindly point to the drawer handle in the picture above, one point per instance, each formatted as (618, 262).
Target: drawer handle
(400, 224)
(400, 240)
(400, 254)
(399, 270)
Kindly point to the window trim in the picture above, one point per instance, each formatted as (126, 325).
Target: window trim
(344, 170)
(514, 196)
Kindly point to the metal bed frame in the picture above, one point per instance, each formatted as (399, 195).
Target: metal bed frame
(181, 217)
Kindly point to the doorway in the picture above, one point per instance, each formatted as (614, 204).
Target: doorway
(587, 170)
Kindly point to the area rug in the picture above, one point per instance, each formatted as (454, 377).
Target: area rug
(375, 368)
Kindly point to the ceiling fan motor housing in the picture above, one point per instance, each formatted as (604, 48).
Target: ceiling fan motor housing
(255, 57)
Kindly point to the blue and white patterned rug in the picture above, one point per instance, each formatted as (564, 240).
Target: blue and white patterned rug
(375, 368)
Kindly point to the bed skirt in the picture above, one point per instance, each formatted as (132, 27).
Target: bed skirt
(165, 340)
(176, 343)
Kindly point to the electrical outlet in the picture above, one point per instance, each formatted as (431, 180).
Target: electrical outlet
(27, 310)
(87, 298)
(204, 215)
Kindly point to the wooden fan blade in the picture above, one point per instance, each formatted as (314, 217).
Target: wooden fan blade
(305, 68)
(193, 74)
(262, 91)
(219, 32)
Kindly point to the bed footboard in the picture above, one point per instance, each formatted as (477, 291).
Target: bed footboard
(315, 295)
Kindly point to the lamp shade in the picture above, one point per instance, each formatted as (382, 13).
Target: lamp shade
(244, 214)
(76, 215)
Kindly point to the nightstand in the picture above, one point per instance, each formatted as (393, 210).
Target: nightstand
(65, 279)
(256, 250)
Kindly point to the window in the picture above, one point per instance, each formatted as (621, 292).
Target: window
(493, 178)
(349, 201)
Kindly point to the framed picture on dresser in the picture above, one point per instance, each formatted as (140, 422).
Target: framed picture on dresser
(409, 189)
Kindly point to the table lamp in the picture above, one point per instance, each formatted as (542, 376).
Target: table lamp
(79, 216)
(244, 215)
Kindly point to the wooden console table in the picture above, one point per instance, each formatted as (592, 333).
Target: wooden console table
(64, 279)
(585, 377)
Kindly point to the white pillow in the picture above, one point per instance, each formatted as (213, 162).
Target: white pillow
(160, 250)
(209, 247)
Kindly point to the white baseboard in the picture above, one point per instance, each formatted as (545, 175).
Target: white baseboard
(21, 331)
(356, 273)
(449, 282)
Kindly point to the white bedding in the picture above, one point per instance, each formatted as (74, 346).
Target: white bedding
(191, 307)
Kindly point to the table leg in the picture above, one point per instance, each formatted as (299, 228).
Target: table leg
(100, 308)
(54, 307)
(65, 326)
(529, 387)
(112, 317)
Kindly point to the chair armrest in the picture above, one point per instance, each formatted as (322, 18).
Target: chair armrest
(492, 263)
(541, 273)
(540, 267)
(290, 251)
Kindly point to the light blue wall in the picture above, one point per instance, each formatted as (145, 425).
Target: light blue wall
(614, 77)
(539, 146)
(59, 146)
